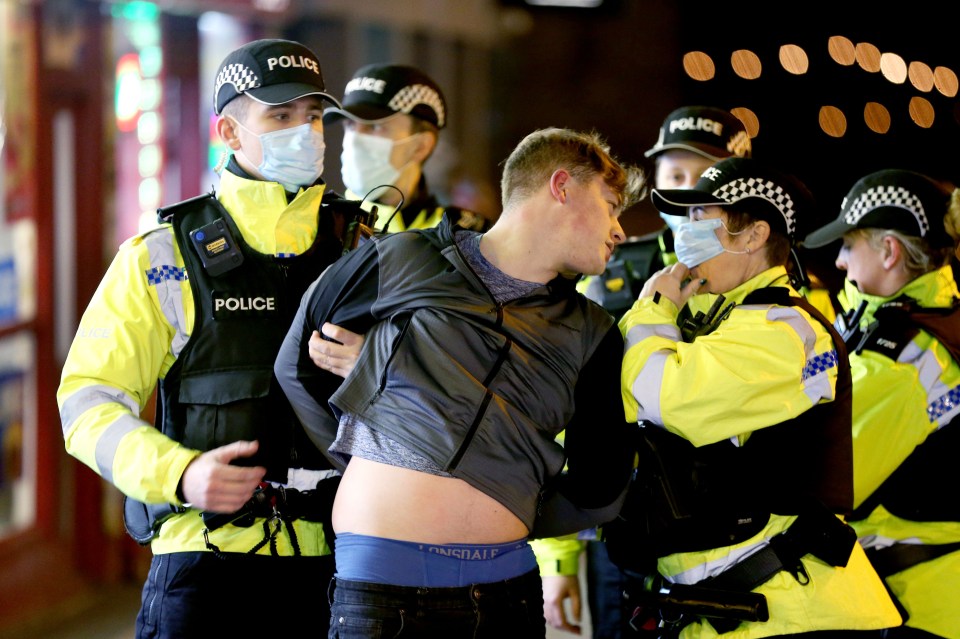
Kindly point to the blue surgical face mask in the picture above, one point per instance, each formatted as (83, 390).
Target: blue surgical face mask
(293, 157)
(673, 221)
(696, 242)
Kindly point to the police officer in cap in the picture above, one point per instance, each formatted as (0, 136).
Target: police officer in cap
(896, 234)
(745, 469)
(691, 139)
(392, 115)
(226, 489)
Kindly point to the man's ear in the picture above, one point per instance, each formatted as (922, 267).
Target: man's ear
(229, 133)
(558, 185)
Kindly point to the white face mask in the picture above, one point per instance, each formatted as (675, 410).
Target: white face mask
(365, 162)
(293, 157)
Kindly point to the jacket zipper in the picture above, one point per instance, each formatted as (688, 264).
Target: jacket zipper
(488, 396)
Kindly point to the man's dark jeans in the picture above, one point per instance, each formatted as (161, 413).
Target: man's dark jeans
(501, 610)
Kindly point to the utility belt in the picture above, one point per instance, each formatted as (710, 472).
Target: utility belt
(276, 506)
(270, 502)
(816, 531)
(279, 507)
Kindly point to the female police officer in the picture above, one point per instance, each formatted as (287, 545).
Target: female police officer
(746, 409)
(896, 249)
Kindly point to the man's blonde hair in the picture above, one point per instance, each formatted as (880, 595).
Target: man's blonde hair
(584, 154)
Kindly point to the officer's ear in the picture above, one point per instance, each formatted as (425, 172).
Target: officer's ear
(890, 251)
(229, 132)
(759, 233)
(426, 142)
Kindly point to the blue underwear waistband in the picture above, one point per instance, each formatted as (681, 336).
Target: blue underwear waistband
(411, 563)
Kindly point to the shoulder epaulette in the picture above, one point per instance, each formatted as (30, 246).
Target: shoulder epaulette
(164, 214)
(943, 324)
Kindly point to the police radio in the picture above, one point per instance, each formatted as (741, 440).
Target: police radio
(214, 243)
(359, 229)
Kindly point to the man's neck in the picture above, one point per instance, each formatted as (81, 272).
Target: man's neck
(509, 251)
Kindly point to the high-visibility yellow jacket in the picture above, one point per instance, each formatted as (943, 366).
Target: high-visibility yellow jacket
(561, 556)
(896, 406)
(762, 366)
(131, 334)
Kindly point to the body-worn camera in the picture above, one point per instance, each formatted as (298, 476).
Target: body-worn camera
(216, 247)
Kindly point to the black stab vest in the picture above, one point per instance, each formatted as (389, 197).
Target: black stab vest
(221, 388)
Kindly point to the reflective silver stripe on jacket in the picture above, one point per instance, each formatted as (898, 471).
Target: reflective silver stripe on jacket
(708, 569)
(876, 542)
(815, 385)
(646, 386)
(90, 397)
(166, 276)
(943, 402)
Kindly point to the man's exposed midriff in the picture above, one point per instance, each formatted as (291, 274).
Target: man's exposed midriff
(398, 503)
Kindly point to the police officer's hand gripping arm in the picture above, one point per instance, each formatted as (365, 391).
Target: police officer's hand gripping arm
(122, 344)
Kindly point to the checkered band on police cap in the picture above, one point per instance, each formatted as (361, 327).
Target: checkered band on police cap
(242, 77)
(380, 91)
(271, 71)
(881, 195)
(739, 189)
(736, 179)
(892, 199)
(409, 97)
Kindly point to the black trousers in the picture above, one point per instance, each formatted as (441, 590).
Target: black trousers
(197, 594)
(609, 612)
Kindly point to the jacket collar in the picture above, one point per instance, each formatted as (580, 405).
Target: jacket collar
(936, 289)
(268, 221)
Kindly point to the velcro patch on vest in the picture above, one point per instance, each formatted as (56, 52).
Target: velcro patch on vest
(887, 338)
(226, 306)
